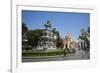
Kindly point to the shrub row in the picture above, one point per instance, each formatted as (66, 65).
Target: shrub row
(46, 53)
(38, 53)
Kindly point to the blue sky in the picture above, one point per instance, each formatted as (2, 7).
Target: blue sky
(64, 22)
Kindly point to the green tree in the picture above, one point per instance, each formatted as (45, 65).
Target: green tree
(58, 40)
(34, 36)
(25, 34)
(24, 28)
(88, 30)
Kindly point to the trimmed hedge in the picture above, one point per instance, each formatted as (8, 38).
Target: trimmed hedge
(42, 53)
(45, 53)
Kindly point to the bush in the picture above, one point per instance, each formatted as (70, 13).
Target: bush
(42, 53)
(45, 53)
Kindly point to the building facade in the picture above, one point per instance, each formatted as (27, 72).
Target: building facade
(68, 42)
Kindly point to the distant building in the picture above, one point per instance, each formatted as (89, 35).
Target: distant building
(68, 42)
(25, 45)
(24, 41)
(83, 44)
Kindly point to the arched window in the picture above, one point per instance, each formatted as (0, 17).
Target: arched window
(44, 43)
(49, 34)
(81, 43)
(49, 46)
(45, 33)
